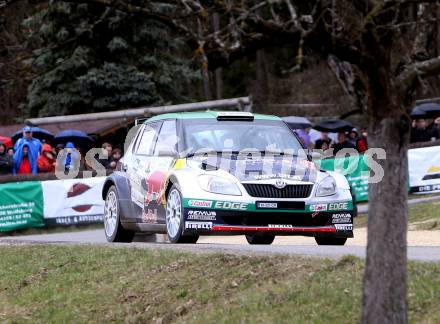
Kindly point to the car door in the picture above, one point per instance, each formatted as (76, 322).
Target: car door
(139, 167)
(164, 155)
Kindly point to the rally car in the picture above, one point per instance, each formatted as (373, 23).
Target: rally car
(226, 173)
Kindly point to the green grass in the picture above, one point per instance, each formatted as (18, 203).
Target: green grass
(53, 284)
(421, 217)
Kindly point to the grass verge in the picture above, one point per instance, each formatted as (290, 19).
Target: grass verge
(41, 283)
(421, 217)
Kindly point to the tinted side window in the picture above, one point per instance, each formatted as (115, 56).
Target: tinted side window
(148, 139)
(167, 140)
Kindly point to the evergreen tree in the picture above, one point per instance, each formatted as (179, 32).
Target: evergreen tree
(95, 58)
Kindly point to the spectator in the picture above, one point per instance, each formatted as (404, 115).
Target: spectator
(324, 139)
(6, 161)
(433, 131)
(59, 148)
(46, 160)
(27, 137)
(25, 159)
(304, 136)
(106, 153)
(421, 133)
(116, 156)
(71, 158)
(353, 136)
(108, 147)
(343, 143)
(361, 143)
(437, 123)
(325, 146)
(11, 151)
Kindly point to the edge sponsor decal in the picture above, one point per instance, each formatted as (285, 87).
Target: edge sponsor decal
(344, 227)
(338, 205)
(333, 206)
(200, 203)
(205, 215)
(341, 218)
(267, 205)
(198, 225)
(230, 205)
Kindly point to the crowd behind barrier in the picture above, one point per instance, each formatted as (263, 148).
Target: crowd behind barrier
(30, 155)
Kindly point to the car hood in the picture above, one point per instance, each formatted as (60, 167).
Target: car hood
(258, 168)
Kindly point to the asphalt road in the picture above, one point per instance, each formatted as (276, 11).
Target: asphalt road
(424, 245)
(236, 245)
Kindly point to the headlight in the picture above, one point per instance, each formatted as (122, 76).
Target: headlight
(218, 185)
(326, 187)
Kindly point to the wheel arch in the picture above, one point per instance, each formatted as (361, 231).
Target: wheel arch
(171, 181)
(107, 184)
(122, 185)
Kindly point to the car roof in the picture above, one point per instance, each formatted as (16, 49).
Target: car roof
(205, 115)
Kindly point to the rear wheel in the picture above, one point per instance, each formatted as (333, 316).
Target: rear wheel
(330, 240)
(114, 232)
(174, 218)
(260, 239)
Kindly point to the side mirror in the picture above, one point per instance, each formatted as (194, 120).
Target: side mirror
(313, 155)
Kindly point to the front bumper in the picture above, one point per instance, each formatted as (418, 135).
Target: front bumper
(280, 222)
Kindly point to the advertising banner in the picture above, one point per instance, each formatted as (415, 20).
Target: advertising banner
(21, 205)
(73, 201)
(424, 169)
(356, 172)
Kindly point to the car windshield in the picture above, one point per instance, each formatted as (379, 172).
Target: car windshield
(219, 136)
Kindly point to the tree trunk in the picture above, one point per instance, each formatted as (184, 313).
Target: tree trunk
(260, 93)
(219, 71)
(384, 294)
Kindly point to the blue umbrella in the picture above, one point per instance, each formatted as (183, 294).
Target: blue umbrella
(334, 126)
(430, 110)
(418, 113)
(295, 122)
(37, 132)
(77, 137)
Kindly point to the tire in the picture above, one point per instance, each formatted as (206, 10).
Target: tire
(175, 220)
(114, 232)
(330, 240)
(260, 239)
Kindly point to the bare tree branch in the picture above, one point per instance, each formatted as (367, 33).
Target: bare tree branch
(425, 68)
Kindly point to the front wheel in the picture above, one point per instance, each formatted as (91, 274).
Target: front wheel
(330, 240)
(114, 232)
(174, 218)
(260, 239)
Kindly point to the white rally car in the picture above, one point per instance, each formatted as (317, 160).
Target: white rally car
(227, 173)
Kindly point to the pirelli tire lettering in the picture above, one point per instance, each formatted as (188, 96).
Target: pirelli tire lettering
(198, 225)
(344, 227)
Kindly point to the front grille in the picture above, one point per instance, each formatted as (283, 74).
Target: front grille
(270, 191)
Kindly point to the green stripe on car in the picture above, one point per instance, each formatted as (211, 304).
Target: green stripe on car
(243, 206)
